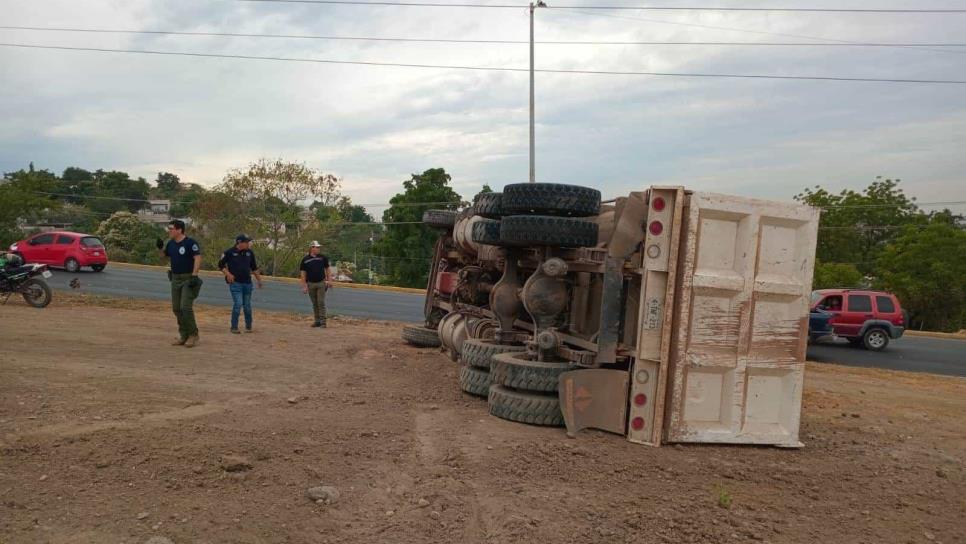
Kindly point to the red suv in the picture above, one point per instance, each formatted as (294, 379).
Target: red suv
(70, 250)
(864, 318)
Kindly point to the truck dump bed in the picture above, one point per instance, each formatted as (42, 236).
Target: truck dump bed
(686, 322)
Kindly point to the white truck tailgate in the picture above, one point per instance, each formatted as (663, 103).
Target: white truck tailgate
(741, 318)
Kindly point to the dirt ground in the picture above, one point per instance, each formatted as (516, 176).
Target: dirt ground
(108, 435)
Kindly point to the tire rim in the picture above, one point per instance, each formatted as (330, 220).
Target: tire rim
(877, 339)
(35, 293)
(72, 266)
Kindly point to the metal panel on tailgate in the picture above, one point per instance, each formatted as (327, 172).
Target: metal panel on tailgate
(738, 359)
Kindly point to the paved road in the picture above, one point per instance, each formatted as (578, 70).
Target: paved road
(912, 353)
(276, 296)
(918, 354)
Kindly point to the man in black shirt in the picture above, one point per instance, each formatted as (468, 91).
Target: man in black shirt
(315, 276)
(238, 265)
(185, 256)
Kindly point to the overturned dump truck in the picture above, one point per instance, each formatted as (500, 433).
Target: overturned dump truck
(664, 316)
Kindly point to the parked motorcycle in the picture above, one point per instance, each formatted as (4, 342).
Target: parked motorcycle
(25, 280)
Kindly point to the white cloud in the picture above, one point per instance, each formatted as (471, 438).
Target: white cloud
(375, 126)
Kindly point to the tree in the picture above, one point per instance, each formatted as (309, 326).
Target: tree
(73, 174)
(926, 268)
(271, 193)
(184, 201)
(856, 227)
(79, 182)
(114, 191)
(836, 275)
(169, 185)
(406, 249)
(128, 239)
(343, 230)
(23, 195)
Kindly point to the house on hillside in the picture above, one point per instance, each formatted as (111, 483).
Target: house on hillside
(157, 212)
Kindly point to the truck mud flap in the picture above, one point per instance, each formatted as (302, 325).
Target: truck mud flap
(594, 399)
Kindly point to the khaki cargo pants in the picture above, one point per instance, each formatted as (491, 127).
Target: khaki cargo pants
(317, 296)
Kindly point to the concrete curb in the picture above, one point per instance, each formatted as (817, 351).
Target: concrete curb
(210, 273)
(932, 334)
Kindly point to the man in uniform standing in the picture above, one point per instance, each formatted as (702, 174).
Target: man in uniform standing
(185, 256)
(315, 277)
(238, 265)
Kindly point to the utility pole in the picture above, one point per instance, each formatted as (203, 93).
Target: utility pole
(533, 159)
(370, 257)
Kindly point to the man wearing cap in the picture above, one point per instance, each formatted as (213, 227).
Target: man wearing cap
(238, 265)
(315, 277)
(185, 257)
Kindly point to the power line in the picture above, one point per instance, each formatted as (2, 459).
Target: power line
(913, 203)
(791, 10)
(485, 68)
(466, 41)
(734, 29)
(602, 8)
(100, 197)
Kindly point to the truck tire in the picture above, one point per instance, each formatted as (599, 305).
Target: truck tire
(489, 205)
(523, 407)
(440, 219)
(421, 337)
(544, 230)
(477, 352)
(516, 371)
(474, 381)
(486, 231)
(875, 339)
(551, 199)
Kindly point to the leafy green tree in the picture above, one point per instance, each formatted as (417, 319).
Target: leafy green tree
(856, 226)
(79, 182)
(342, 229)
(271, 192)
(406, 249)
(22, 197)
(73, 174)
(836, 275)
(926, 268)
(184, 201)
(169, 185)
(128, 239)
(119, 192)
(216, 218)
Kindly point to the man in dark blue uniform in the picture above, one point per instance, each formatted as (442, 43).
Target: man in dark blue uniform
(238, 265)
(316, 278)
(185, 256)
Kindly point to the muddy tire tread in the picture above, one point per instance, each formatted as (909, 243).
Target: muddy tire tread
(421, 337)
(479, 353)
(523, 407)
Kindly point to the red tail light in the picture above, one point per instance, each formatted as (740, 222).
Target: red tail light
(637, 423)
(640, 399)
(658, 204)
(656, 228)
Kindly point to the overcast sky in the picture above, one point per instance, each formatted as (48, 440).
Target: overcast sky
(374, 126)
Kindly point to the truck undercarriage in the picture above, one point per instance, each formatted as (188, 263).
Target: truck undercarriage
(562, 309)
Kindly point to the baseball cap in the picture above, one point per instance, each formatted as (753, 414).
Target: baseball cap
(242, 238)
(315, 243)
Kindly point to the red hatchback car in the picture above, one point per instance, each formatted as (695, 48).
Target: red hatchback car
(864, 318)
(70, 250)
